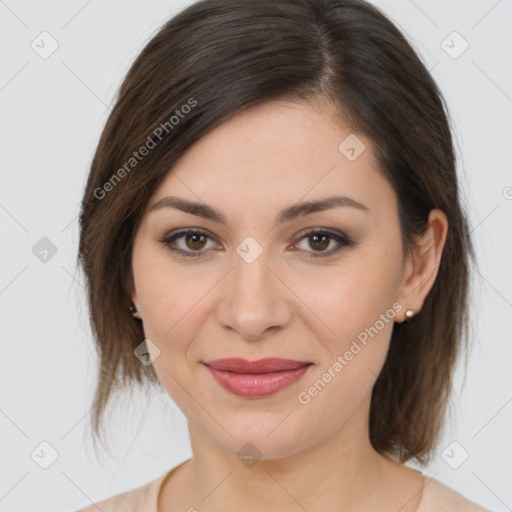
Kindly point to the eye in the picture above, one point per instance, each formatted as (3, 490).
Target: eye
(192, 244)
(320, 239)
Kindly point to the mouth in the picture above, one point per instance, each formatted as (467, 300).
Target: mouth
(256, 379)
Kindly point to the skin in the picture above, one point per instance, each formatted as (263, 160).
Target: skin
(316, 455)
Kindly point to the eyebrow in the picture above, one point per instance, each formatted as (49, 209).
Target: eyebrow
(286, 215)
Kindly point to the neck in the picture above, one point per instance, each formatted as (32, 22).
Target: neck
(342, 472)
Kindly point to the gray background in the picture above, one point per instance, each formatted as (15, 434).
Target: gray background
(52, 111)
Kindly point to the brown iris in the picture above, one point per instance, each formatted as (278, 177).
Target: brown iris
(195, 238)
(319, 245)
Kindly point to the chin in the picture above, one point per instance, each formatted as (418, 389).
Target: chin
(254, 439)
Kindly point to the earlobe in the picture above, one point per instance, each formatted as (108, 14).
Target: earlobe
(134, 309)
(423, 264)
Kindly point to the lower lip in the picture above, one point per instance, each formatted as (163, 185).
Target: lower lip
(256, 385)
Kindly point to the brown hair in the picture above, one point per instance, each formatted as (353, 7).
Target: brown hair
(215, 59)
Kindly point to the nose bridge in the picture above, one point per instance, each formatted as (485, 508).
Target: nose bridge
(254, 299)
(251, 274)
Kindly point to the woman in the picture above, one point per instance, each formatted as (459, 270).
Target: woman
(274, 200)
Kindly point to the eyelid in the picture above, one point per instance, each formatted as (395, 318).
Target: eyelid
(342, 240)
(170, 237)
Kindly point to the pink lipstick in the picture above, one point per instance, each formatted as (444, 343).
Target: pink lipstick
(256, 378)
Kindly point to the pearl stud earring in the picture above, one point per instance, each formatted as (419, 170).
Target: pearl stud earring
(409, 313)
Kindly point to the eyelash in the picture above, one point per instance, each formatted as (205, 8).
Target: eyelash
(343, 240)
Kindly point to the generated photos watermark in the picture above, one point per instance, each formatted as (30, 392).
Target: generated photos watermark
(305, 397)
(158, 133)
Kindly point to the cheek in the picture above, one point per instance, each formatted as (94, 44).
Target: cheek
(168, 311)
(175, 307)
(351, 302)
(368, 290)
(356, 304)
(166, 296)
(172, 310)
(343, 382)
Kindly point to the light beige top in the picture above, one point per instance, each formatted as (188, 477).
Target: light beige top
(436, 497)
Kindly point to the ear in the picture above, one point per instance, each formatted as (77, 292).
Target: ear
(422, 265)
(135, 301)
(133, 296)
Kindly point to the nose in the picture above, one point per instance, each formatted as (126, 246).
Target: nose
(254, 299)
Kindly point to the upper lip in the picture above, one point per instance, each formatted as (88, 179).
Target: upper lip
(267, 365)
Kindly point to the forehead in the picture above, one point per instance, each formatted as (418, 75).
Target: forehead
(277, 153)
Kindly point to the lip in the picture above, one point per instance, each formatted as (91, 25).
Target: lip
(256, 378)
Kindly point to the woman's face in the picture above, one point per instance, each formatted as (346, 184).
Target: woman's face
(252, 282)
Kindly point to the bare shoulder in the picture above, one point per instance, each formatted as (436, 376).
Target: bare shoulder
(438, 497)
(141, 499)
